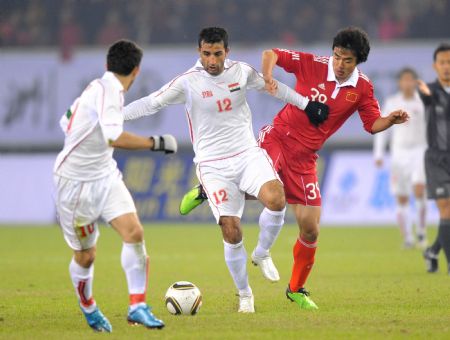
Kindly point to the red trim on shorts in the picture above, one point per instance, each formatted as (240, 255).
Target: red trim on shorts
(304, 191)
(75, 208)
(204, 188)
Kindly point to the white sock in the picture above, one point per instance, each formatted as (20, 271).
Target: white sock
(270, 223)
(421, 214)
(236, 260)
(82, 279)
(404, 221)
(135, 265)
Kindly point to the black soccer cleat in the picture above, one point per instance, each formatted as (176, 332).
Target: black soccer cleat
(431, 261)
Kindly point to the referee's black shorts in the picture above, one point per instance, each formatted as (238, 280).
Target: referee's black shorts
(437, 169)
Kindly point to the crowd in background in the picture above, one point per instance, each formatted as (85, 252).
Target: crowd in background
(69, 23)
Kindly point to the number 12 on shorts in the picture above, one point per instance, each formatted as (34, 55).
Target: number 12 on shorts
(220, 196)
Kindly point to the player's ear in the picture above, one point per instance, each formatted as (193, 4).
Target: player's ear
(227, 50)
(136, 71)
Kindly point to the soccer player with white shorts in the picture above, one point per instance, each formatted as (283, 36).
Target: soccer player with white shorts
(89, 185)
(229, 161)
(407, 147)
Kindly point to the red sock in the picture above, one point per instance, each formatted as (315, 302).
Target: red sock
(304, 252)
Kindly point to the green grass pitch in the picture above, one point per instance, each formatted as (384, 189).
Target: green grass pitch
(364, 284)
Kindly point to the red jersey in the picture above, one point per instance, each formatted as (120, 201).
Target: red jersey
(317, 81)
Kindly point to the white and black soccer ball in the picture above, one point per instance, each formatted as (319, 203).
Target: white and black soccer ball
(183, 297)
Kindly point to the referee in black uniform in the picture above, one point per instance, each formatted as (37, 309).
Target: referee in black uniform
(436, 98)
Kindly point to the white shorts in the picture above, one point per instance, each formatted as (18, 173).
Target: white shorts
(80, 204)
(407, 170)
(226, 180)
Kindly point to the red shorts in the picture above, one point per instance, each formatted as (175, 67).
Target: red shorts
(296, 167)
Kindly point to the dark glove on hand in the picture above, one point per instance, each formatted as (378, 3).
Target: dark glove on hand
(166, 143)
(317, 112)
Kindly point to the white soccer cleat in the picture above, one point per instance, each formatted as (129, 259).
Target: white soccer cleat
(267, 267)
(246, 304)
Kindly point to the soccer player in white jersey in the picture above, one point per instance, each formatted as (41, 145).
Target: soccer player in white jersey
(89, 185)
(407, 148)
(228, 159)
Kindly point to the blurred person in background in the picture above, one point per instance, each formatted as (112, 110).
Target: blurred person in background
(407, 149)
(436, 98)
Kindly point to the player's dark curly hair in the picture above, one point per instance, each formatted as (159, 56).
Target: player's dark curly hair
(354, 39)
(123, 56)
(444, 47)
(211, 35)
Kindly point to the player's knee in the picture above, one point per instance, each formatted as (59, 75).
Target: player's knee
(310, 235)
(277, 200)
(85, 258)
(231, 230)
(136, 234)
(309, 230)
(277, 203)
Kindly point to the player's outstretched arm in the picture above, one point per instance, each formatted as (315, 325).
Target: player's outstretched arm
(395, 117)
(130, 141)
(269, 60)
(171, 93)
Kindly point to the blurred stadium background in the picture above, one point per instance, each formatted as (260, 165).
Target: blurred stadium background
(51, 49)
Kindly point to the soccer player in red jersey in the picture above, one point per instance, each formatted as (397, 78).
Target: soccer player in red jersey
(293, 140)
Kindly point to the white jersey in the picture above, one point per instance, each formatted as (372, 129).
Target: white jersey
(406, 136)
(92, 122)
(219, 118)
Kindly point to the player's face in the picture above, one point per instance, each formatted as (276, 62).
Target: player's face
(407, 83)
(344, 63)
(442, 66)
(212, 57)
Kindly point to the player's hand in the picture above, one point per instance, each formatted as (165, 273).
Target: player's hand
(166, 143)
(423, 87)
(317, 112)
(398, 117)
(271, 85)
(379, 163)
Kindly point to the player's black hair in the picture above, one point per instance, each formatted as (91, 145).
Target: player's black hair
(123, 56)
(355, 40)
(211, 35)
(407, 70)
(441, 48)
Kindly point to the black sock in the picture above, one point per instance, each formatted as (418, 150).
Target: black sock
(444, 237)
(435, 248)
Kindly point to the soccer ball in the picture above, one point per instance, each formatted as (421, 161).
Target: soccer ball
(183, 297)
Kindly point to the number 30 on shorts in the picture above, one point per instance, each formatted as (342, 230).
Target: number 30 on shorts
(312, 191)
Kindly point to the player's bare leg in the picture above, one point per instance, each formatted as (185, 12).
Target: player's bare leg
(308, 218)
(135, 264)
(236, 260)
(404, 221)
(271, 195)
(81, 270)
(421, 214)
